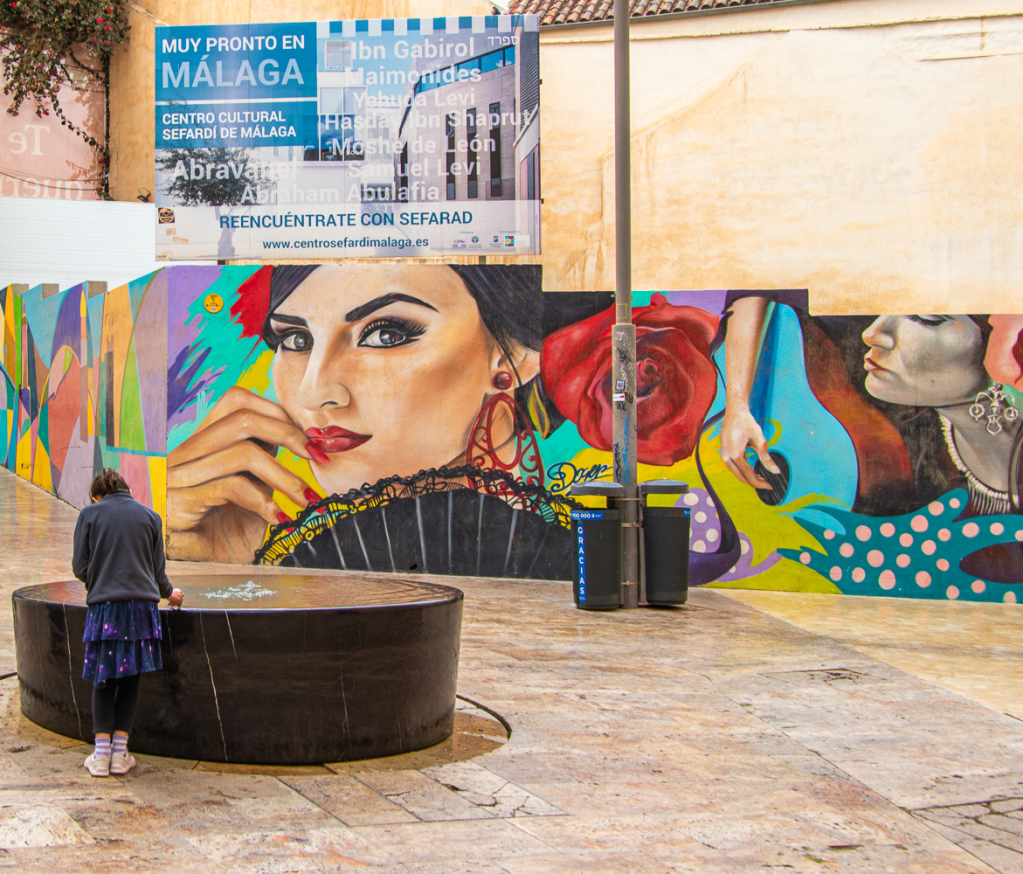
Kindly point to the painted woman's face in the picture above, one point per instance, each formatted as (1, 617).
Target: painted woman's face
(385, 368)
(927, 361)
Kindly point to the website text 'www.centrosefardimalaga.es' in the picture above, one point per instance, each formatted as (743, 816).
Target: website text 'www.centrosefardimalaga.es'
(348, 243)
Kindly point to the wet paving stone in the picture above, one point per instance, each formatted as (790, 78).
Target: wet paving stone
(722, 737)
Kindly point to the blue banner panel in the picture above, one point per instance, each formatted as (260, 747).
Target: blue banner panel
(194, 126)
(238, 62)
(374, 138)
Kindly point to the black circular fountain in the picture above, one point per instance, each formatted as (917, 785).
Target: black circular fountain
(268, 668)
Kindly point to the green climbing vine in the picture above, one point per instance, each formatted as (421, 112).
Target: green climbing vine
(45, 44)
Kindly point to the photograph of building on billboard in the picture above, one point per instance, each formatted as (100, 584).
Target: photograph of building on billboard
(332, 139)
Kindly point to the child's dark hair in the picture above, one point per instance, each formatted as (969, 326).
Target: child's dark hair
(108, 481)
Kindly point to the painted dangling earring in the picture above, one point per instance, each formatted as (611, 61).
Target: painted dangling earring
(1003, 406)
(483, 448)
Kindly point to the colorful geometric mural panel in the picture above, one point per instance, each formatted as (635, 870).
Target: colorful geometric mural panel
(78, 395)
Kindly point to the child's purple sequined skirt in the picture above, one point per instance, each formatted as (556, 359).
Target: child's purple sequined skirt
(121, 638)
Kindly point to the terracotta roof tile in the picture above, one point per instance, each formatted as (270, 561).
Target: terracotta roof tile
(575, 11)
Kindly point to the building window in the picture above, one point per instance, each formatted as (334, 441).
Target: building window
(461, 72)
(449, 130)
(375, 193)
(342, 117)
(338, 54)
(529, 176)
(403, 193)
(495, 150)
(473, 156)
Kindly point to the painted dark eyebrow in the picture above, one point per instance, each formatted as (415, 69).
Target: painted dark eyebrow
(377, 303)
(289, 320)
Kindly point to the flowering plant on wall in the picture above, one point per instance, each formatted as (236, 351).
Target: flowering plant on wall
(675, 377)
(49, 43)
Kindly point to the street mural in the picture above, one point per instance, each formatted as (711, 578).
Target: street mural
(380, 417)
(427, 418)
(84, 387)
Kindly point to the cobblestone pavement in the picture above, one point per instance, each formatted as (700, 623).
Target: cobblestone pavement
(716, 738)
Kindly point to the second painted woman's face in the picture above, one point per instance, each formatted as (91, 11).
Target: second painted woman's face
(927, 361)
(384, 367)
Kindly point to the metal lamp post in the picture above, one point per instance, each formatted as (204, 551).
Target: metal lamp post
(624, 331)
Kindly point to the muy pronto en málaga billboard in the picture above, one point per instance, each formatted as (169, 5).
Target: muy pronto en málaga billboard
(328, 139)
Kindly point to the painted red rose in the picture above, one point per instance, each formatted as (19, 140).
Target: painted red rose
(675, 378)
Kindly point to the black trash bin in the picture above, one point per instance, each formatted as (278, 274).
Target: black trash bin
(597, 569)
(665, 545)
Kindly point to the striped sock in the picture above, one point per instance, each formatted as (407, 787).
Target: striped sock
(120, 744)
(103, 746)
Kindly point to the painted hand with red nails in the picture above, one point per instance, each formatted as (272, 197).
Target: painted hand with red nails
(220, 482)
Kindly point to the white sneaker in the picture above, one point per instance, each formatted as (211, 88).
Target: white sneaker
(98, 766)
(121, 763)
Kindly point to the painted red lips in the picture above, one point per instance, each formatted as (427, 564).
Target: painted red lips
(335, 439)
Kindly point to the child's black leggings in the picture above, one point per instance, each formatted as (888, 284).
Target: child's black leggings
(113, 706)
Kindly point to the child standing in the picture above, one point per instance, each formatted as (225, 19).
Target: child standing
(119, 556)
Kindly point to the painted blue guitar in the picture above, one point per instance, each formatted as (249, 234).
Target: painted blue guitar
(814, 451)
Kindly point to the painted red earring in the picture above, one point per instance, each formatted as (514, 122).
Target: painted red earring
(482, 450)
(503, 380)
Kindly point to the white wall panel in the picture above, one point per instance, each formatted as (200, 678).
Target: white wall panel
(67, 242)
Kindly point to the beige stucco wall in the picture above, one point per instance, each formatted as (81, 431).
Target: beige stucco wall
(875, 162)
(865, 149)
(132, 86)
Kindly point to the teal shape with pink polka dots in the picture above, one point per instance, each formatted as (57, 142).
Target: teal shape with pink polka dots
(911, 556)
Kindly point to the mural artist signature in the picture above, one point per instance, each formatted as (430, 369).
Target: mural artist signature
(563, 475)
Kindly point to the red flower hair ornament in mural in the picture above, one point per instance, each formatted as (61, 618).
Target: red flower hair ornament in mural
(675, 377)
(1004, 358)
(253, 302)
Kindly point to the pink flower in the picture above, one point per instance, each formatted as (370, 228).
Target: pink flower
(1004, 358)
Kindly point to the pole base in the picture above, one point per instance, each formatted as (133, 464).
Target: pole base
(630, 595)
